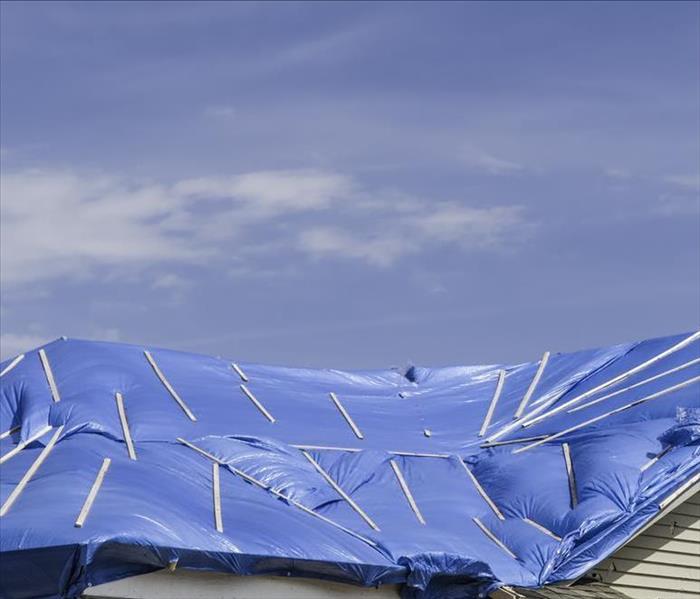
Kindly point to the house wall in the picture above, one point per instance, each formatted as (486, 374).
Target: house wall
(188, 584)
(663, 562)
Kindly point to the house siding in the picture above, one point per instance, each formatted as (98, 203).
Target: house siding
(663, 562)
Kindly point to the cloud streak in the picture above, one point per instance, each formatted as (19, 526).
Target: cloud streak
(58, 224)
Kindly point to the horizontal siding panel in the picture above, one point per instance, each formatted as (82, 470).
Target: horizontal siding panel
(688, 509)
(678, 533)
(659, 556)
(642, 593)
(619, 564)
(680, 520)
(667, 544)
(651, 582)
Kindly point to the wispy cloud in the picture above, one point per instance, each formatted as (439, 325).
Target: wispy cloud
(689, 181)
(480, 160)
(62, 225)
(224, 112)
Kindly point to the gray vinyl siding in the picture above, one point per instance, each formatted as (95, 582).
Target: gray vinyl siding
(663, 562)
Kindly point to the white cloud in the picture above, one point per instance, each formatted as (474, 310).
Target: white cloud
(412, 231)
(688, 181)
(12, 344)
(479, 160)
(57, 224)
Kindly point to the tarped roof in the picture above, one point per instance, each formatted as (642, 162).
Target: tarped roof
(364, 477)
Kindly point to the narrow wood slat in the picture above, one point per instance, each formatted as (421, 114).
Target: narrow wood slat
(216, 489)
(570, 474)
(609, 383)
(493, 537)
(345, 415)
(407, 491)
(248, 393)
(30, 472)
(340, 491)
(630, 387)
(125, 426)
(542, 529)
(512, 441)
(481, 490)
(655, 459)
(533, 385)
(494, 401)
(90, 499)
(286, 498)
(11, 365)
(20, 446)
(49, 375)
(590, 421)
(169, 387)
(239, 372)
(9, 432)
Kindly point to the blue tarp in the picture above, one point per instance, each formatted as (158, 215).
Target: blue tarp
(545, 523)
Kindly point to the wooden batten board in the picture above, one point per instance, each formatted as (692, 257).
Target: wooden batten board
(169, 387)
(406, 491)
(493, 403)
(11, 365)
(90, 499)
(344, 413)
(17, 491)
(49, 375)
(533, 385)
(125, 426)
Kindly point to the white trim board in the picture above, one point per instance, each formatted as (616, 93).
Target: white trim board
(189, 584)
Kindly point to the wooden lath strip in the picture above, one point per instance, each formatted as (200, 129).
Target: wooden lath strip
(542, 529)
(339, 490)
(345, 415)
(90, 499)
(16, 492)
(11, 365)
(216, 491)
(481, 490)
(407, 491)
(630, 387)
(169, 387)
(239, 372)
(248, 393)
(493, 537)
(570, 474)
(494, 401)
(20, 446)
(409, 454)
(9, 432)
(655, 459)
(49, 375)
(125, 426)
(279, 495)
(533, 385)
(590, 421)
(609, 383)
(512, 441)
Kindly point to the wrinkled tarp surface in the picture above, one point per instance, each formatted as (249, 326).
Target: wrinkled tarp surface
(546, 524)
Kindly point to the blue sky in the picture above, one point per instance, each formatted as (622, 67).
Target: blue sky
(351, 185)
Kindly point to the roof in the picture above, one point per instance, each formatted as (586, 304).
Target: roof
(120, 460)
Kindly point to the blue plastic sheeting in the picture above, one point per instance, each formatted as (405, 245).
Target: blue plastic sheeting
(281, 515)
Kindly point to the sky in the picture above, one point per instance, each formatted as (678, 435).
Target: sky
(352, 185)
